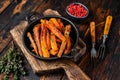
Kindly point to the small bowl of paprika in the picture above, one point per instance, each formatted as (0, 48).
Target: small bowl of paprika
(77, 11)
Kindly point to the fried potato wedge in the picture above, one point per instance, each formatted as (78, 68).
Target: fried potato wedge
(53, 42)
(48, 40)
(62, 48)
(55, 31)
(67, 36)
(43, 41)
(36, 33)
(53, 52)
(60, 24)
(68, 46)
(32, 42)
(55, 23)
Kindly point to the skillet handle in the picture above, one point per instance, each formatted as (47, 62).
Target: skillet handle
(79, 50)
(33, 16)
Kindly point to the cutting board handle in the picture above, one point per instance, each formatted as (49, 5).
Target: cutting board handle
(73, 72)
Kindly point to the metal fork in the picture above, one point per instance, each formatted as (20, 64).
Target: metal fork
(101, 50)
(92, 32)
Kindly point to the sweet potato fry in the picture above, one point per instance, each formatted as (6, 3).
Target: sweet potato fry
(66, 34)
(63, 45)
(43, 41)
(53, 42)
(55, 31)
(32, 42)
(48, 40)
(53, 52)
(36, 34)
(62, 48)
(68, 46)
(55, 22)
(67, 30)
(60, 23)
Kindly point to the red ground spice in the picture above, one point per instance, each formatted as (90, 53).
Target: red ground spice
(77, 10)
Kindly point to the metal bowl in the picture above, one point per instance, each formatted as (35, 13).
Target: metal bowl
(73, 16)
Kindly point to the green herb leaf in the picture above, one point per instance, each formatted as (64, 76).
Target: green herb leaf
(11, 62)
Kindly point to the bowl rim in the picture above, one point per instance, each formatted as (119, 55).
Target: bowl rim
(51, 58)
(75, 16)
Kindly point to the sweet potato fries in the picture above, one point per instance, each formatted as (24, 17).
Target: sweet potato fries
(50, 38)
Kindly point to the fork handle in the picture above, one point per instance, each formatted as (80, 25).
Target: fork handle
(107, 25)
(92, 31)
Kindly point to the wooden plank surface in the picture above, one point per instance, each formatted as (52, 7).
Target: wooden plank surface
(18, 8)
(99, 9)
(4, 4)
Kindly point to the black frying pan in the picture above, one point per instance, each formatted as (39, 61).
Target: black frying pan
(74, 35)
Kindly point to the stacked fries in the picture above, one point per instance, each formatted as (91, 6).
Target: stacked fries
(50, 38)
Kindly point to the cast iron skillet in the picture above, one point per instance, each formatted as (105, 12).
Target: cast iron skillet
(74, 35)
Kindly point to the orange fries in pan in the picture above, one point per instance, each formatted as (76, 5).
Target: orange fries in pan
(50, 38)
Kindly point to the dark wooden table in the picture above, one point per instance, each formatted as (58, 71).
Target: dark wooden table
(14, 11)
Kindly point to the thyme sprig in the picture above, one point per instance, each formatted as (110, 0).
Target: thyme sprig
(11, 62)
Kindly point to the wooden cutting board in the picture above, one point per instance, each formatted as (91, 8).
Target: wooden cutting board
(72, 71)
